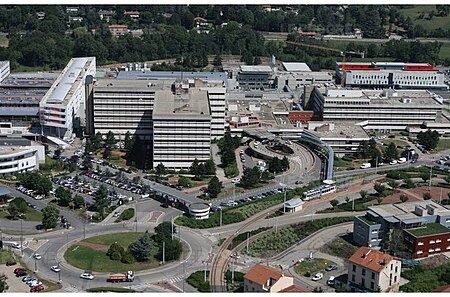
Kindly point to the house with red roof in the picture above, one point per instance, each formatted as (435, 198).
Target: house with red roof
(267, 279)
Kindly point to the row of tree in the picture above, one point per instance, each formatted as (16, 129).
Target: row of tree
(35, 181)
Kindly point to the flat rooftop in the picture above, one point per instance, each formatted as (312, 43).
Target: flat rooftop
(400, 209)
(194, 102)
(295, 66)
(429, 229)
(127, 84)
(140, 75)
(31, 81)
(255, 68)
(341, 130)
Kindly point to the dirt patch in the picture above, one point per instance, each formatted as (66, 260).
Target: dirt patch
(95, 246)
(434, 261)
(154, 215)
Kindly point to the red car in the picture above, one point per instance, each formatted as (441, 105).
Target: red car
(19, 269)
(203, 189)
(37, 288)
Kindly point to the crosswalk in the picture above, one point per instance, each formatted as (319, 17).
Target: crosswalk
(175, 279)
(70, 289)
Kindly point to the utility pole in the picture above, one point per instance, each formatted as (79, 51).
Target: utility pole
(67, 240)
(429, 183)
(276, 225)
(171, 222)
(179, 233)
(164, 253)
(59, 274)
(376, 164)
(440, 196)
(21, 237)
(248, 235)
(220, 217)
(206, 266)
(135, 217)
(184, 271)
(285, 193)
(353, 204)
(35, 265)
(232, 271)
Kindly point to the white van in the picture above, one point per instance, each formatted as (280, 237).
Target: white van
(365, 166)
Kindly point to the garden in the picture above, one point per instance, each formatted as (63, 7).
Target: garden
(309, 267)
(426, 279)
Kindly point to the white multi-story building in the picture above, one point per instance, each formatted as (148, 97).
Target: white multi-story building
(217, 102)
(181, 128)
(373, 270)
(20, 155)
(4, 70)
(396, 75)
(123, 106)
(64, 103)
(381, 110)
(296, 80)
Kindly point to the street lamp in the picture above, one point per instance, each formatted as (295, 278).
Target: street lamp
(21, 237)
(59, 274)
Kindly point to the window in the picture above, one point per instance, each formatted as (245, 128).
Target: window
(395, 279)
(354, 268)
(392, 266)
(353, 277)
(396, 268)
(372, 285)
(364, 271)
(421, 252)
(437, 250)
(432, 241)
(373, 275)
(420, 243)
(438, 240)
(431, 250)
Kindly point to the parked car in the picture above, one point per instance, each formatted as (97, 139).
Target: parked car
(317, 276)
(19, 269)
(11, 263)
(331, 281)
(37, 288)
(393, 162)
(21, 273)
(331, 267)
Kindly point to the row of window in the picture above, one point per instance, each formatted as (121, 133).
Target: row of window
(432, 250)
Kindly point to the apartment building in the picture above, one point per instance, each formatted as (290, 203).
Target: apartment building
(63, 107)
(427, 240)
(123, 106)
(377, 110)
(372, 270)
(265, 279)
(416, 219)
(396, 75)
(181, 128)
(4, 70)
(255, 77)
(217, 103)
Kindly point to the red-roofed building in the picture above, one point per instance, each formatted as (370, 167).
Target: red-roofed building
(133, 14)
(118, 30)
(374, 271)
(270, 280)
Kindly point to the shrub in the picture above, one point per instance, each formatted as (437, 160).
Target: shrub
(128, 258)
(115, 252)
(231, 170)
(126, 215)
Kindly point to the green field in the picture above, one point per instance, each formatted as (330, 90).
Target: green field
(397, 142)
(95, 260)
(5, 256)
(435, 22)
(31, 215)
(312, 266)
(443, 144)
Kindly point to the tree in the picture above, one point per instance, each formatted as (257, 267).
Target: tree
(363, 194)
(173, 250)
(409, 184)
(426, 196)
(142, 248)
(196, 169)
(214, 187)
(393, 184)
(251, 177)
(284, 163)
(334, 203)
(101, 199)
(128, 142)
(395, 242)
(13, 211)
(115, 252)
(275, 165)
(3, 284)
(403, 198)
(390, 153)
(347, 200)
(184, 182)
(17, 208)
(379, 199)
(163, 232)
(210, 167)
(429, 139)
(379, 188)
(50, 216)
(64, 196)
(128, 258)
(110, 140)
(160, 169)
(78, 201)
(217, 60)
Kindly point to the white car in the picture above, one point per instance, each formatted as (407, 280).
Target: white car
(235, 180)
(16, 245)
(317, 277)
(55, 268)
(35, 284)
(37, 256)
(87, 276)
(393, 162)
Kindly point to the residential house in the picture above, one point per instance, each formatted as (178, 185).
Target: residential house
(270, 280)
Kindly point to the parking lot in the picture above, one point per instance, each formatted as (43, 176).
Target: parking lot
(15, 283)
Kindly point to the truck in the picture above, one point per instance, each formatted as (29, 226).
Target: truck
(120, 277)
(365, 165)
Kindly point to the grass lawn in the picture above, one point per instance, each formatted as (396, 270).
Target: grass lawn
(196, 280)
(397, 142)
(339, 247)
(445, 51)
(313, 266)
(358, 205)
(124, 239)
(432, 24)
(340, 164)
(443, 144)
(5, 256)
(31, 215)
(90, 259)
